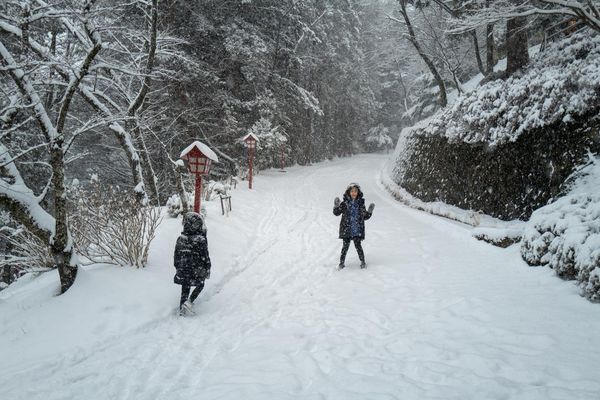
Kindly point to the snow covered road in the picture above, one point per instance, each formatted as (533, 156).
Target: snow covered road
(436, 315)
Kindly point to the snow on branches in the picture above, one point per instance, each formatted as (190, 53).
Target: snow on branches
(482, 12)
(72, 68)
(561, 84)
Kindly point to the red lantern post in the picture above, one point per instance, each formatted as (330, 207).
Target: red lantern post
(282, 158)
(250, 140)
(198, 158)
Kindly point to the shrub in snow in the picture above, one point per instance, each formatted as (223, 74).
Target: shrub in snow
(110, 226)
(501, 237)
(21, 252)
(174, 206)
(565, 235)
(210, 191)
(214, 189)
(25, 251)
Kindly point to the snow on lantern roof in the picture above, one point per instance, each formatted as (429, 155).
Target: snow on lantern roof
(203, 148)
(250, 135)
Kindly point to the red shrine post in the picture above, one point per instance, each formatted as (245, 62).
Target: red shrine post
(250, 140)
(282, 158)
(198, 157)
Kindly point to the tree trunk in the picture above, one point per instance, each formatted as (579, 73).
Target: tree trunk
(177, 170)
(517, 45)
(490, 49)
(61, 245)
(150, 45)
(443, 100)
(6, 274)
(477, 51)
(147, 168)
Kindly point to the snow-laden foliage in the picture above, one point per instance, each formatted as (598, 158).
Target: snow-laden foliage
(562, 84)
(213, 189)
(272, 144)
(23, 251)
(565, 235)
(174, 206)
(378, 138)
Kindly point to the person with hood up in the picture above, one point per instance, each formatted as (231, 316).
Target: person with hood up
(191, 260)
(352, 226)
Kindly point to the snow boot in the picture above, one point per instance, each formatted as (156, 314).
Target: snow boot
(187, 308)
(363, 265)
(341, 266)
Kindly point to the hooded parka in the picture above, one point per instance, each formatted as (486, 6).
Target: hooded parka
(191, 260)
(354, 214)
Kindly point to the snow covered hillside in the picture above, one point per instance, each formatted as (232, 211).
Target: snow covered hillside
(436, 315)
(560, 84)
(506, 147)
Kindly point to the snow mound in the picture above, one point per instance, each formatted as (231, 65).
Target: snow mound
(565, 235)
(501, 237)
(561, 84)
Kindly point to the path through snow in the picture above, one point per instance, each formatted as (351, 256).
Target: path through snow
(437, 315)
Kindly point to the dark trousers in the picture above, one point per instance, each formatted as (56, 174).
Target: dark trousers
(185, 293)
(358, 247)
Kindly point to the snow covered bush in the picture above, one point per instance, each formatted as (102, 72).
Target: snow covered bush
(210, 191)
(21, 252)
(110, 226)
(174, 206)
(213, 189)
(24, 251)
(565, 235)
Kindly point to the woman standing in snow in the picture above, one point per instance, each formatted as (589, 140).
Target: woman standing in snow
(192, 261)
(352, 226)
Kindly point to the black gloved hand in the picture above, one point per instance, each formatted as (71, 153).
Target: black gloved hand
(337, 202)
(371, 208)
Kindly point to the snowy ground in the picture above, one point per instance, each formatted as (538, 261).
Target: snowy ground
(437, 315)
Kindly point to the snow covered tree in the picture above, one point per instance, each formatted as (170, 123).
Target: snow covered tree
(301, 61)
(411, 35)
(32, 98)
(271, 145)
(516, 14)
(71, 72)
(378, 138)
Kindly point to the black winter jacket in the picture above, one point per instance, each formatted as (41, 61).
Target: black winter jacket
(344, 211)
(191, 260)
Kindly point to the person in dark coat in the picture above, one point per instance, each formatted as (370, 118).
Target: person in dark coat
(191, 260)
(352, 226)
